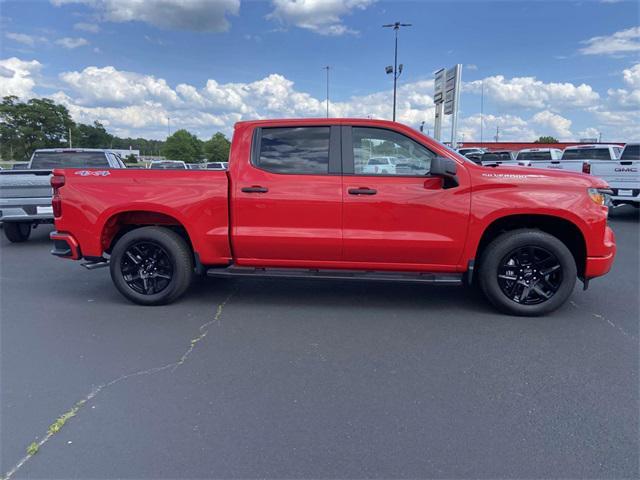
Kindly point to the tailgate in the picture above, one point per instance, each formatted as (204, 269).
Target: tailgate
(617, 171)
(567, 165)
(20, 184)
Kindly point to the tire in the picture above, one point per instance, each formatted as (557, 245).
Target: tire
(17, 232)
(527, 272)
(151, 266)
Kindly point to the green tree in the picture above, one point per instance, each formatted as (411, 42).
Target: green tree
(37, 123)
(91, 136)
(217, 148)
(546, 139)
(184, 146)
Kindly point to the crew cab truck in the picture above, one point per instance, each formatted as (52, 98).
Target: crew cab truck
(25, 195)
(296, 201)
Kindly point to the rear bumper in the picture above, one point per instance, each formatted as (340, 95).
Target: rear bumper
(26, 210)
(65, 246)
(598, 266)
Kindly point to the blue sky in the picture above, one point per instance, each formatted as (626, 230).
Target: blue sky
(569, 69)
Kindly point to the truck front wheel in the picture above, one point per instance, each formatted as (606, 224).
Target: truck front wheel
(17, 232)
(527, 272)
(151, 265)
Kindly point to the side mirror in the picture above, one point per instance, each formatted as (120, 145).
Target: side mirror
(445, 168)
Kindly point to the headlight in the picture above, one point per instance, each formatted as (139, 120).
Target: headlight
(599, 195)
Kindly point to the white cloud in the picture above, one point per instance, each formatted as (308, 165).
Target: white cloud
(71, 43)
(108, 86)
(631, 76)
(472, 67)
(528, 92)
(553, 124)
(23, 38)
(319, 16)
(17, 77)
(624, 41)
(196, 15)
(87, 27)
(626, 99)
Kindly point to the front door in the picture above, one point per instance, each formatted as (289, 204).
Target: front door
(396, 216)
(288, 200)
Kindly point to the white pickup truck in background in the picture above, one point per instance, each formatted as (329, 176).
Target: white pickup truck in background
(575, 158)
(622, 174)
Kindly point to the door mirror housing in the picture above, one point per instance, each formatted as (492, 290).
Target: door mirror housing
(445, 168)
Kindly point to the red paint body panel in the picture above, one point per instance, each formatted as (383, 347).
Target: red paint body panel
(411, 224)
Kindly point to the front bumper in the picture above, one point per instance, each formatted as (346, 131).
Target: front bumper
(65, 246)
(598, 266)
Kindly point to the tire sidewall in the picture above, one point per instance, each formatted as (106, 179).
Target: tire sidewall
(506, 243)
(17, 232)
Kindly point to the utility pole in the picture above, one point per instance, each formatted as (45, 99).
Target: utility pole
(497, 137)
(481, 112)
(327, 69)
(396, 72)
(168, 126)
(70, 143)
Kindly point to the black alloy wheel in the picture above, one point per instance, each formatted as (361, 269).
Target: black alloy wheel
(530, 275)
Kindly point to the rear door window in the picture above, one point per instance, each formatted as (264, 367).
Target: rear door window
(294, 150)
(51, 160)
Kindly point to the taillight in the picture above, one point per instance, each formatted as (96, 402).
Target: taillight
(56, 203)
(57, 181)
(586, 167)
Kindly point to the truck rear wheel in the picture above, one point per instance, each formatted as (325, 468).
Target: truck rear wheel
(151, 265)
(17, 232)
(527, 272)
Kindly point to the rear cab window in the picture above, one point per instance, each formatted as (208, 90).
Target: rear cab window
(51, 160)
(536, 155)
(587, 154)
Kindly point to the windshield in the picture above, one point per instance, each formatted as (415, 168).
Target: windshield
(586, 154)
(534, 155)
(51, 160)
(631, 152)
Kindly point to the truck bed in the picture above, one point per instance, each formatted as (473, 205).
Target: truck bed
(198, 199)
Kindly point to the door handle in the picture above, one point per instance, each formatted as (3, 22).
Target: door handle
(255, 189)
(362, 191)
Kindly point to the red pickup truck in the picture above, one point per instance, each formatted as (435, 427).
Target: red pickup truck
(303, 198)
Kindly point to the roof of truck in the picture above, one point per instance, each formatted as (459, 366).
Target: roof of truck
(61, 150)
(321, 120)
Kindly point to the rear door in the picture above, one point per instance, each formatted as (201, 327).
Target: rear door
(288, 198)
(400, 221)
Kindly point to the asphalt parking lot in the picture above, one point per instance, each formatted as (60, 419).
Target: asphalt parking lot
(274, 379)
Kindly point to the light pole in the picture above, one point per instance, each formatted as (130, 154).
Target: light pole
(168, 126)
(327, 69)
(395, 70)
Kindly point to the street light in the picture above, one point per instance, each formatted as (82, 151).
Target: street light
(327, 69)
(396, 70)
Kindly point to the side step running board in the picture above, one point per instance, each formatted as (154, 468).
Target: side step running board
(94, 265)
(420, 277)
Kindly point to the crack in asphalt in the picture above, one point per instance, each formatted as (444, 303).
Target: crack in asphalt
(73, 411)
(609, 322)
